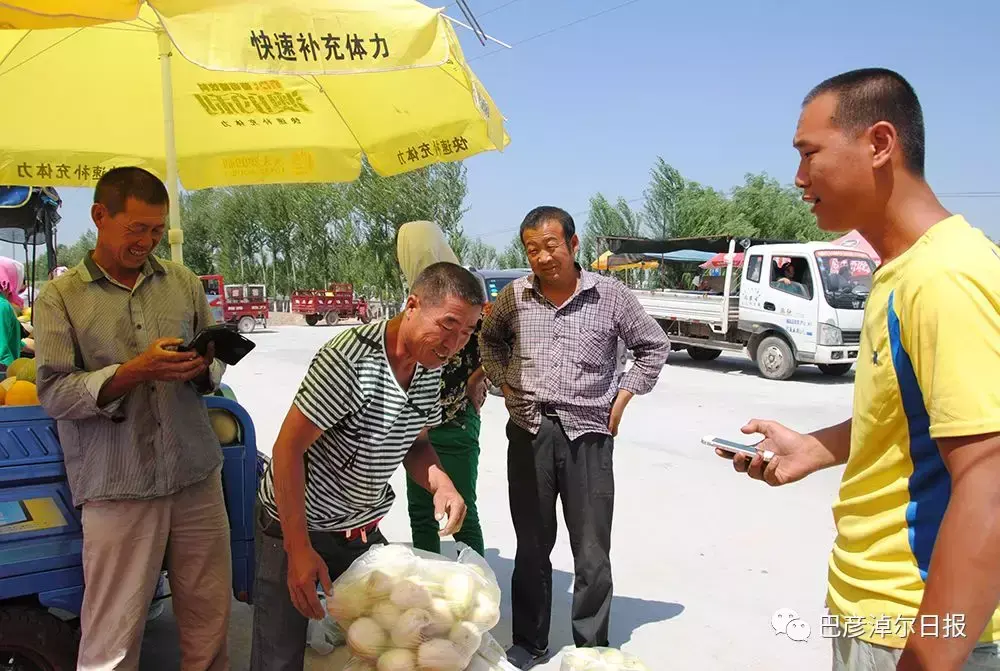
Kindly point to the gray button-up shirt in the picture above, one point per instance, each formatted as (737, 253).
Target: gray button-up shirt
(566, 356)
(155, 440)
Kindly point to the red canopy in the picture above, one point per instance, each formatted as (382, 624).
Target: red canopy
(854, 240)
(719, 261)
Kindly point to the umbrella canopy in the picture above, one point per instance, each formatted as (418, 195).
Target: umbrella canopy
(220, 92)
(719, 261)
(617, 262)
(854, 240)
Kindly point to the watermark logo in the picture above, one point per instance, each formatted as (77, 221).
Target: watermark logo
(786, 621)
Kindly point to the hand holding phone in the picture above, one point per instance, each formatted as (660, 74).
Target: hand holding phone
(732, 447)
(228, 346)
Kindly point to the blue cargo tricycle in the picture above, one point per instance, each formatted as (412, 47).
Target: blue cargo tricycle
(41, 571)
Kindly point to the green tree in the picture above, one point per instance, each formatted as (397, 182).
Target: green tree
(478, 254)
(605, 219)
(666, 185)
(514, 256)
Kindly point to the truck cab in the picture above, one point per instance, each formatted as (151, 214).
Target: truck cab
(803, 303)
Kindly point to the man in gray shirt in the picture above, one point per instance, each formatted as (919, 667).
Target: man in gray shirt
(141, 456)
(550, 343)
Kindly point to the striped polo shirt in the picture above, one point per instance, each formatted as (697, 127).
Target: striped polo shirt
(369, 423)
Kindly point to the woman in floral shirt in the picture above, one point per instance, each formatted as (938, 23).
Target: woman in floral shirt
(463, 392)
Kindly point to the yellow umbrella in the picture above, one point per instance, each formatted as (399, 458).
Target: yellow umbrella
(601, 263)
(33, 14)
(220, 92)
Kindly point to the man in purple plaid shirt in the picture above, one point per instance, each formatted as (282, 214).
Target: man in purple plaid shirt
(550, 342)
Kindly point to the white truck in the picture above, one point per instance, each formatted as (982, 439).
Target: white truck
(790, 304)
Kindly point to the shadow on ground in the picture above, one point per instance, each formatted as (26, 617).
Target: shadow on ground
(627, 613)
(744, 366)
(160, 649)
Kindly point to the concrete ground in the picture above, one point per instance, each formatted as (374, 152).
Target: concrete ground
(702, 556)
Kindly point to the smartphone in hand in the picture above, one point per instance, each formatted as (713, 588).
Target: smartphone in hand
(230, 346)
(736, 448)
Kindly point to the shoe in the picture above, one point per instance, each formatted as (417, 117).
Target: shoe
(522, 658)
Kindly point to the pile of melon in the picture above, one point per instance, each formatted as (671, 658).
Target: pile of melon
(226, 428)
(19, 387)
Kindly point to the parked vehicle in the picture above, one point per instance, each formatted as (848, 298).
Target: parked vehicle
(241, 306)
(793, 303)
(41, 538)
(330, 305)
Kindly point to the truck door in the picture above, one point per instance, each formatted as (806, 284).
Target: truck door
(790, 296)
(753, 291)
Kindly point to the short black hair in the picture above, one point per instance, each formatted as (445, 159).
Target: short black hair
(442, 279)
(538, 216)
(870, 95)
(117, 185)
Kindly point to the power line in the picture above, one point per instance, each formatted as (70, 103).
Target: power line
(557, 28)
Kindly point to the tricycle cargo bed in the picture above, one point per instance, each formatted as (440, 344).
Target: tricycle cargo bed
(41, 538)
(688, 306)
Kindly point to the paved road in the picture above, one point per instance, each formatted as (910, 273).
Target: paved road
(702, 556)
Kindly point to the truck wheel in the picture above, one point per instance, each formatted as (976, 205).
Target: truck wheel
(332, 318)
(32, 639)
(775, 359)
(702, 354)
(312, 320)
(834, 369)
(247, 324)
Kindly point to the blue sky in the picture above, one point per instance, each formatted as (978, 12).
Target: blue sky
(712, 87)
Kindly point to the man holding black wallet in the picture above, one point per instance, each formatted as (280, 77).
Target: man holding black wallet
(141, 456)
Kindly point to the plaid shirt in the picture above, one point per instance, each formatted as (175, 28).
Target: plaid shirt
(566, 356)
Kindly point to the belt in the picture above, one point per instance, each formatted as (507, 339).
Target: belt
(271, 527)
(548, 409)
(362, 531)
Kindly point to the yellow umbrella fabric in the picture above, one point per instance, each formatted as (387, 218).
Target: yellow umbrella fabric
(35, 14)
(219, 92)
(601, 263)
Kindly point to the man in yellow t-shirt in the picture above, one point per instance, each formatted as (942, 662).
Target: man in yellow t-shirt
(914, 577)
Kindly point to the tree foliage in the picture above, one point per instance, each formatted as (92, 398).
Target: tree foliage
(675, 207)
(305, 236)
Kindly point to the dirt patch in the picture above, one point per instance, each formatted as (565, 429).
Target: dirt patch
(285, 319)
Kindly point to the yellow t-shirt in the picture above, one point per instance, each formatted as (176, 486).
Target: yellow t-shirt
(928, 368)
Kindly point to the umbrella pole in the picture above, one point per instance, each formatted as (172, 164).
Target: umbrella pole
(175, 235)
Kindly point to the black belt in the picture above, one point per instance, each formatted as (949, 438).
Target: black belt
(548, 409)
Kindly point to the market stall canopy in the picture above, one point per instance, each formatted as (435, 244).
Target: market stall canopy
(617, 262)
(719, 261)
(680, 256)
(855, 240)
(28, 216)
(714, 244)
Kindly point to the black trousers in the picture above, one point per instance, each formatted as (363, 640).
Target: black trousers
(541, 468)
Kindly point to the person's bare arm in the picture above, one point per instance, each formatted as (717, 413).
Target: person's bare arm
(305, 566)
(796, 455)
(424, 466)
(297, 434)
(962, 580)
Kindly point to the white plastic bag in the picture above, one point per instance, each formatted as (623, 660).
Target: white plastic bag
(404, 609)
(324, 636)
(599, 659)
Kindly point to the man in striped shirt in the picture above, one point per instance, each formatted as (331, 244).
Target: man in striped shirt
(364, 407)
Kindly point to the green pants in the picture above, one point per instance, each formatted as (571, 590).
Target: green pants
(457, 447)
